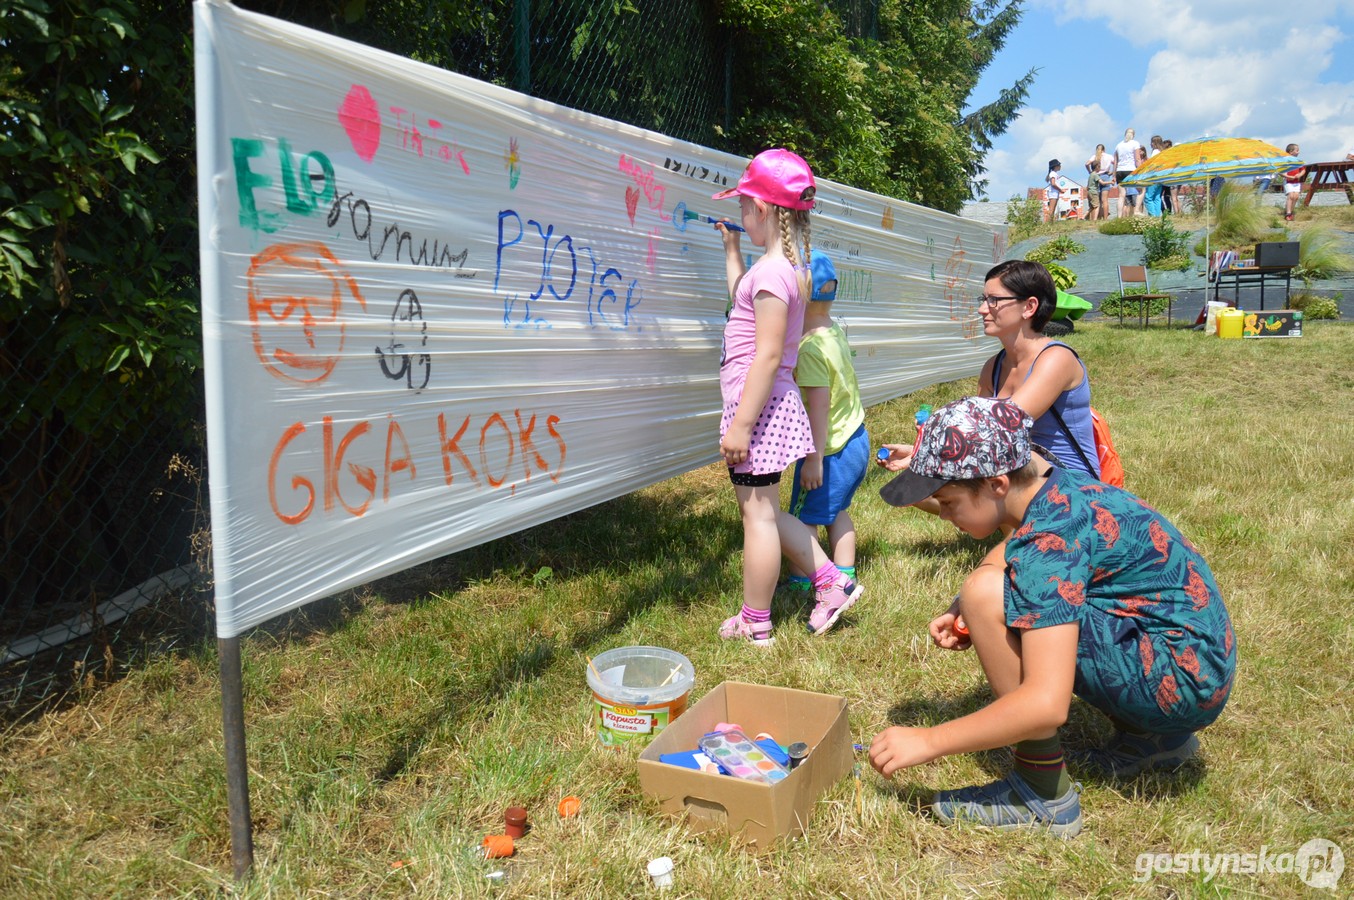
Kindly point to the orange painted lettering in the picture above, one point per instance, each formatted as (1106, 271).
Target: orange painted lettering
(393, 431)
(364, 475)
(550, 423)
(453, 447)
(297, 482)
(484, 456)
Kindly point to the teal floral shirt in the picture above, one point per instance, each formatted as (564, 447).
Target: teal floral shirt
(1156, 647)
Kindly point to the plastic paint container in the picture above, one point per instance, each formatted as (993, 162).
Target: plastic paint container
(1230, 322)
(1211, 317)
(637, 691)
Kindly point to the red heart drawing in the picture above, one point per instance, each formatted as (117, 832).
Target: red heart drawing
(361, 119)
(631, 202)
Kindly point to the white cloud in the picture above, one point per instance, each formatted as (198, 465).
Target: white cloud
(1233, 68)
(1038, 136)
(1207, 27)
(1251, 93)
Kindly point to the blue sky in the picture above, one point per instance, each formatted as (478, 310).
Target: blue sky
(1278, 71)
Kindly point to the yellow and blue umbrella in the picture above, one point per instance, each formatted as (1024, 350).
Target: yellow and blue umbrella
(1208, 158)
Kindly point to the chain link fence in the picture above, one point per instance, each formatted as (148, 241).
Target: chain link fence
(102, 471)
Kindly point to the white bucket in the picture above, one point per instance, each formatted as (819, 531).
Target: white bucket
(1211, 317)
(637, 691)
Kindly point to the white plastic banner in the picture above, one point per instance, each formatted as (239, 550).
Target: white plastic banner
(436, 311)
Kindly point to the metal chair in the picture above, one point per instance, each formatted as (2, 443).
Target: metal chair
(1136, 276)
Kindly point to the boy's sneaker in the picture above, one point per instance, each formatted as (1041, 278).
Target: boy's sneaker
(830, 605)
(1128, 754)
(1010, 803)
(736, 628)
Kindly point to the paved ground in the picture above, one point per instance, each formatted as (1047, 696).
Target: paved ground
(1097, 267)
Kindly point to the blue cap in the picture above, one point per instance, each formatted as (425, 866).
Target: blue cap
(824, 272)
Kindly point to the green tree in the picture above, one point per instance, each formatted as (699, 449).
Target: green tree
(99, 323)
(883, 113)
(98, 245)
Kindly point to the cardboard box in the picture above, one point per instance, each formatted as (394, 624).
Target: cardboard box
(1275, 323)
(756, 813)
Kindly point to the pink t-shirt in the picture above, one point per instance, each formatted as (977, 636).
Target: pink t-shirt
(781, 433)
(772, 276)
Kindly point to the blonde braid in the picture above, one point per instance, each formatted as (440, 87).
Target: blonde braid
(787, 244)
(805, 222)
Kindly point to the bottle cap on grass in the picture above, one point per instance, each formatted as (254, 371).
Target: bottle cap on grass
(660, 870)
(496, 846)
(515, 821)
(569, 806)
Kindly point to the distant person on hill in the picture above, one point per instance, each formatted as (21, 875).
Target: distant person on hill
(1152, 203)
(1126, 159)
(1292, 184)
(1100, 169)
(1051, 189)
(1167, 190)
(1171, 196)
(1094, 594)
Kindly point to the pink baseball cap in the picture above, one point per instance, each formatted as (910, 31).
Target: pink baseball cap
(776, 176)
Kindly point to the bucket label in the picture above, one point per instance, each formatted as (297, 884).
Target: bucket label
(618, 723)
(629, 722)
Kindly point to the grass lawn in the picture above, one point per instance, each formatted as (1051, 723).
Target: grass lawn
(389, 728)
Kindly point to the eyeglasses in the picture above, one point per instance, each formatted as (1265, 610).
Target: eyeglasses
(992, 300)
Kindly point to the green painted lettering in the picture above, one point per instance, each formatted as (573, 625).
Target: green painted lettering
(246, 181)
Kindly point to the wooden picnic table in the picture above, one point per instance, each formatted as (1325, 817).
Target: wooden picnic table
(1330, 176)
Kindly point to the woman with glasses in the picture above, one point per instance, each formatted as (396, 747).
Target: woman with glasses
(1042, 376)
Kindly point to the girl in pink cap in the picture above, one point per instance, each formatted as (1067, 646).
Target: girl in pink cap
(765, 428)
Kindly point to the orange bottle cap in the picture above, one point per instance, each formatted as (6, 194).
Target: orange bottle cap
(569, 806)
(497, 845)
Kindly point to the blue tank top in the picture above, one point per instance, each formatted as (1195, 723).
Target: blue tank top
(1075, 408)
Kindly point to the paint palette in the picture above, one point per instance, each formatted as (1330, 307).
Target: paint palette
(739, 756)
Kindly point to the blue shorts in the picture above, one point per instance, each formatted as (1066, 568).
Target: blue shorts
(843, 472)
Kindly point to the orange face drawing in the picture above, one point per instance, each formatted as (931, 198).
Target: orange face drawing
(296, 314)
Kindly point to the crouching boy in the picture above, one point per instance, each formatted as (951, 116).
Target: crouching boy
(1093, 593)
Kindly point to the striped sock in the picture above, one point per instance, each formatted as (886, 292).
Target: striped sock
(1041, 764)
(848, 571)
(828, 575)
(800, 583)
(755, 615)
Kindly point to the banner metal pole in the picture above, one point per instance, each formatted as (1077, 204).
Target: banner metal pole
(237, 764)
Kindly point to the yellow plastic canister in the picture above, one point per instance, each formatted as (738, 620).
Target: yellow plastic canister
(1230, 322)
